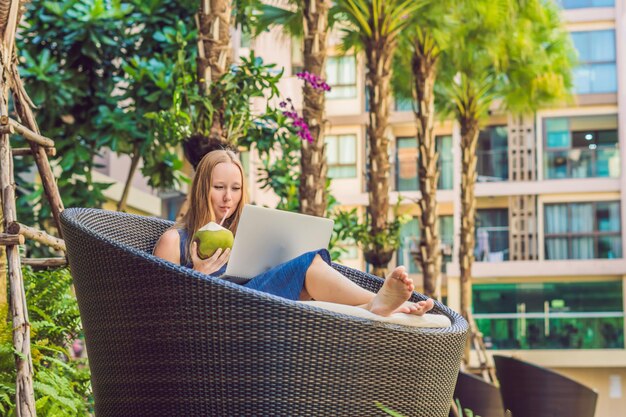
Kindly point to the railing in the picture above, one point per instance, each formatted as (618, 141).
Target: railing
(492, 244)
(492, 165)
(582, 163)
(552, 329)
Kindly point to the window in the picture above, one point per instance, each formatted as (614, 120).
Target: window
(297, 56)
(580, 4)
(403, 104)
(550, 315)
(341, 155)
(406, 163)
(596, 70)
(492, 154)
(581, 147)
(341, 76)
(492, 235)
(583, 230)
(409, 238)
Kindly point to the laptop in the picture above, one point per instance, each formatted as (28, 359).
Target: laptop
(269, 237)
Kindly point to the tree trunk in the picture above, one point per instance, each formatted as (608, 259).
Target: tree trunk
(313, 167)
(378, 79)
(469, 140)
(429, 252)
(121, 205)
(214, 52)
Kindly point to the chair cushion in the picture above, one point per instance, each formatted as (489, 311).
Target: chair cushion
(427, 320)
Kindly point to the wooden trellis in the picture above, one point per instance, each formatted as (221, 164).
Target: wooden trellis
(22, 122)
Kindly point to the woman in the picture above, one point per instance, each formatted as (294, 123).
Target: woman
(218, 192)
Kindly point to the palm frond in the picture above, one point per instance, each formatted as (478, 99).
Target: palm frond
(272, 16)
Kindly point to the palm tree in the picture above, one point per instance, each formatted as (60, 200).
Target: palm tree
(214, 51)
(307, 20)
(511, 50)
(415, 79)
(374, 26)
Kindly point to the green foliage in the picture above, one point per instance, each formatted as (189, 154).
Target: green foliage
(369, 21)
(69, 52)
(94, 80)
(466, 412)
(348, 227)
(519, 53)
(62, 386)
(388, 410)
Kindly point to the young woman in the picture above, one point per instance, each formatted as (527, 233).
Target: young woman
(219, 192)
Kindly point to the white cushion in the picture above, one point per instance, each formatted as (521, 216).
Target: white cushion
(427, 320)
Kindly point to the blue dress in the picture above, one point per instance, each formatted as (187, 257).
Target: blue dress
(285, 280)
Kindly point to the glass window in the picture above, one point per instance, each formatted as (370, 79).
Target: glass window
(297, 56)
(581, 147)
(406, 163)
(583, 230)
(492, 154)
(445, 162)
(492, 235)
(409, 241)
(579, 4)
(341, 155)
(550, 315)
(341, 76)
(596, 72)
(404, 104)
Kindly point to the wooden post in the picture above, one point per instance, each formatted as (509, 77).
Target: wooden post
(29, 152)
(44, 262)
(8, 239)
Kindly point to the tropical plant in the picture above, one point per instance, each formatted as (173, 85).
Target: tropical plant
(62, 386)
(374, 27)
(509, 50)
(415, 74)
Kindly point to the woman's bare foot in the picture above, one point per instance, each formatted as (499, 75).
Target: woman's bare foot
(419, 309)
(396, 289)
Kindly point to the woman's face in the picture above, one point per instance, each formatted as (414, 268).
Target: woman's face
(225, 189)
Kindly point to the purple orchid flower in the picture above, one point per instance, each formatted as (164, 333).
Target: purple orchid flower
(313, 80)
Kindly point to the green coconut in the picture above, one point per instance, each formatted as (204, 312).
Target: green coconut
(212, 237)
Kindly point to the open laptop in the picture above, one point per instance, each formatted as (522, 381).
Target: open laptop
(268, 237)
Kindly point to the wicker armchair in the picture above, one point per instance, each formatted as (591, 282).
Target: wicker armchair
(164, 340)
(530, 390)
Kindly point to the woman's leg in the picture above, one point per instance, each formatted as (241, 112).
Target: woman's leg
(324, 283)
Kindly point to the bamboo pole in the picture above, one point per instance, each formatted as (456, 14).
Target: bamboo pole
(25, 113)
(24, 393)
(29, 152)
(40, 236)
(44, 262)
(8, 239)
(28, 134)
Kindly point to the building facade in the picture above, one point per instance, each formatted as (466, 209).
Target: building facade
(550, 274)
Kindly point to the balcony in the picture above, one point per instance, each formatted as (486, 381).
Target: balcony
(492, 165)
(492, 244)
(582, 163)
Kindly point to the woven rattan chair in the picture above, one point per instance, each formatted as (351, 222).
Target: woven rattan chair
(164, 340)
(529, 390)
(478, 395)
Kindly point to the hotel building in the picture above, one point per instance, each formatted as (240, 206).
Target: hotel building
(549, 280)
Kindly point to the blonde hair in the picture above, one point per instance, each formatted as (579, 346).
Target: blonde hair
(200, 207)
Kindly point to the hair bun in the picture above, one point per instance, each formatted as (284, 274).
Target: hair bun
(198, 145)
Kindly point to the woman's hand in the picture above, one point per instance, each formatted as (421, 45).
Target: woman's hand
(211, 264)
